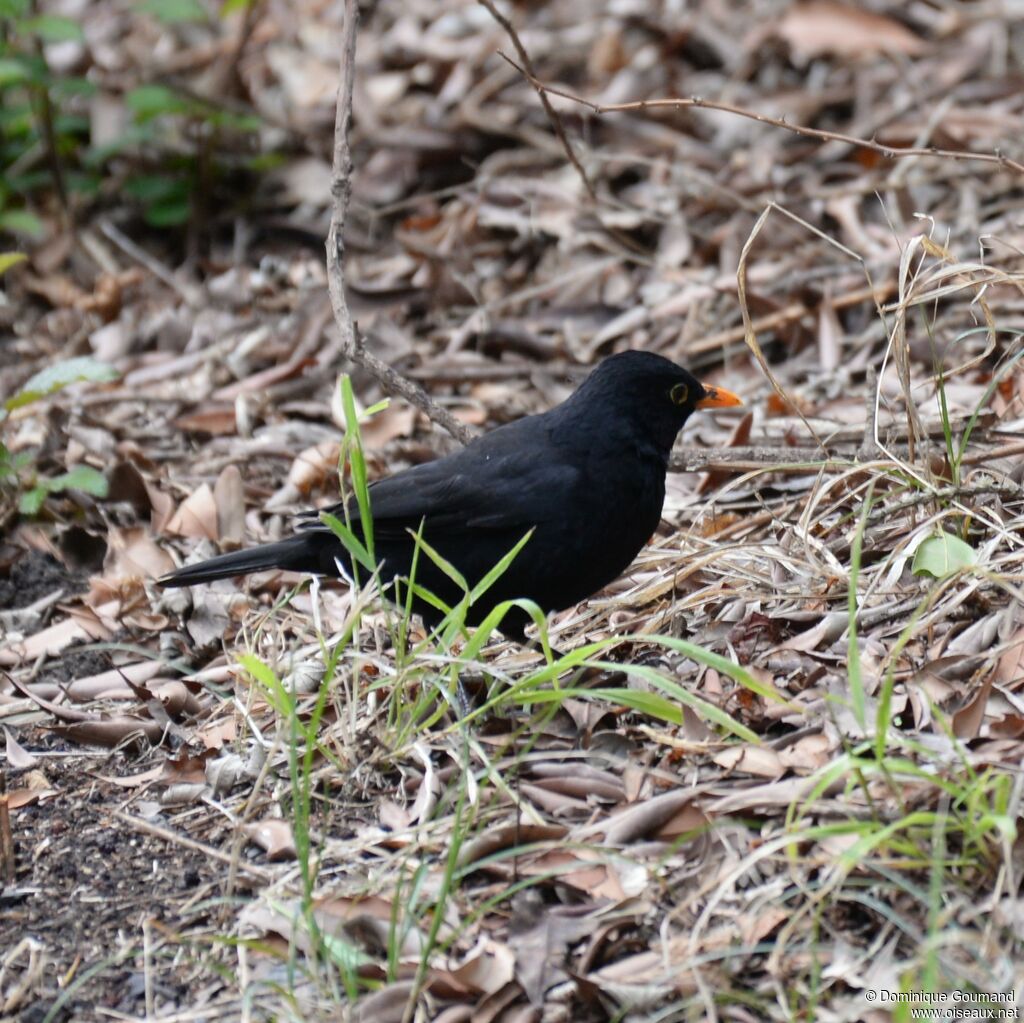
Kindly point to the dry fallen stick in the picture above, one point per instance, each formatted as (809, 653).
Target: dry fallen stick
(779, 458)
(173, 838)
(793, 311)
(749, 459)
(681, 103)
(341, 189)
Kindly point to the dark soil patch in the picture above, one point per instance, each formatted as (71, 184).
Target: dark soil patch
(33, 576)
(75, 664)
(86, 882)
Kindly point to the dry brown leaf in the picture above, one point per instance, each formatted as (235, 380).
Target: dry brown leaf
(393, 422)
(216, 420)
(229, 495)
(256, 382)
(51, 641)
(17, 756)
(58, 290)
(110, 733)
(757, 927)
(540, 935)
(274, 836)
(35, 788)
(555, 803)
(196, 516)
(967, 721)
(218, 734)
(133, 554)
(808, 753)
(570, 779)
(1010, 666)
(687, 821)
(488, 967)
(90, 687)
(506, 837)
(757, 760)
(386, 1005)
(315, 466)
(134, 781)
(818, 27)
(638, 822)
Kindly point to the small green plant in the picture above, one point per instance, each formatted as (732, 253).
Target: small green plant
(168, 160)
(42, 124)
(18, 471)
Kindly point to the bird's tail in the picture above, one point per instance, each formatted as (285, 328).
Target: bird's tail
(296, 554)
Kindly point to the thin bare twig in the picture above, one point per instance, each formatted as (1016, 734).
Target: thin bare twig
(341, 190)
(682, 102)
(168, 835)
(556, 121)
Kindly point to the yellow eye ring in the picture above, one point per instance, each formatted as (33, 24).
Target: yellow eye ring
(679, 394)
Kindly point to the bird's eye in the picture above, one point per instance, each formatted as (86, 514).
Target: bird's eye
(679, 394)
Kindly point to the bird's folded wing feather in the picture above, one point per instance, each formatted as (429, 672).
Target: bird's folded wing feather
(500, 487)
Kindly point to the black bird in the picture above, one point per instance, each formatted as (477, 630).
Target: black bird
(587, 477)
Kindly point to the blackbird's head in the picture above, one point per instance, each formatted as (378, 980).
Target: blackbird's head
(650, 394)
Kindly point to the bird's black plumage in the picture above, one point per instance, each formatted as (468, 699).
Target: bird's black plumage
(588, 477)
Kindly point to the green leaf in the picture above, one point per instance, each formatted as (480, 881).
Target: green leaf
(943, 555)
(56, 377)
(81, 477)
(52, 29)
(148, 101)
(66, 126)
(446, 566)
(175, 11)
(65, 88)
(13, 71)
(169, 212)
(151, 187)
(23, 184)
(82, 184)
(349, 540)
(9, 259)
(21, 222)
(721, 664)
(32, 500)
(14, 8)
(499, 569)
(230, 6)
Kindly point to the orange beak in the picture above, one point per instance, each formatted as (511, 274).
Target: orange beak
(718, 397)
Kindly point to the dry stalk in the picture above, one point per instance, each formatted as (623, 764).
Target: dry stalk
(389, 379)
(682, 102)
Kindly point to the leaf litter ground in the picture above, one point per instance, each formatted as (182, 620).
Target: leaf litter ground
(576, 859)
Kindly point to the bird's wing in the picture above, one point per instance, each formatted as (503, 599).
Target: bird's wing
(501, 481)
